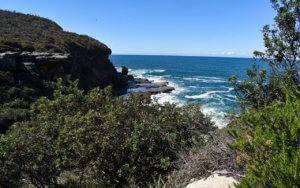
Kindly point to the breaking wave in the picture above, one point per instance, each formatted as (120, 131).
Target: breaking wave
(213, 97)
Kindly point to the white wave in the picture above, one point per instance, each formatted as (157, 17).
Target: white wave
(209, 77)
(158, 70)
(232, 100)
(218, 117)
(231, 96)
(206, 95)
(216, 114)
(163, 98)
(168, 97)
(230, 89)
(141, 72)
(138, 72)
(205, 80)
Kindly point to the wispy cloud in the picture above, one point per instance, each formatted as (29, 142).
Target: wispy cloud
(230, 53)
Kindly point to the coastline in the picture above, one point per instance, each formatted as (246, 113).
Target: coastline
(144, 86)
(158, 85)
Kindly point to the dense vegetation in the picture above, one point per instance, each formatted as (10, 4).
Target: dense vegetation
(71, 138)
(15, 99)
(98, 139)
(268, 140)
(268, 131)
(33, 33)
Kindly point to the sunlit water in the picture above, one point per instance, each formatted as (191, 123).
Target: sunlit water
(202, 80)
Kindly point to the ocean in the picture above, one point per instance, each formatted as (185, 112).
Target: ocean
(202, 80)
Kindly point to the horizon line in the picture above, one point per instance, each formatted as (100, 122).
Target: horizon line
(132, 54)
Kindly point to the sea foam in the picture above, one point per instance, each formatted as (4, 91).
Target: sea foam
(214, 93)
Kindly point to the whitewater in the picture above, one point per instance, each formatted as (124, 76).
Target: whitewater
(202, 80)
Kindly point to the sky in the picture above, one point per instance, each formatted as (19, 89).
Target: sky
(160, 27)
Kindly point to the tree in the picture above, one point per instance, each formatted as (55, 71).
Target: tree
(267, 132)
(282, 42)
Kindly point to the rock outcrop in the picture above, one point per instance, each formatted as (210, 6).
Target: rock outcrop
(31, 67)
(39, 48)
(35, 51)
(147, 87)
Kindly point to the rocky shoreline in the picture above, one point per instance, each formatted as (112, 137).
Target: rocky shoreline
(144, 86)
(32, 67)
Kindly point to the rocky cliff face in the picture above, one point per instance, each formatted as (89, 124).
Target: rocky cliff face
(31, 67)
(34, 48)
(35, 51)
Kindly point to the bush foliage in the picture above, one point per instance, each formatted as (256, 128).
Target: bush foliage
(268, 140)
(15, 99)
(267, 132)
(33, 33)
(101, 139)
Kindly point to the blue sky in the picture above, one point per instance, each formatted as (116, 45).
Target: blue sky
(168, 27)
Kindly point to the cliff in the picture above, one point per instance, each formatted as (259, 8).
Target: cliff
(40, 47)
(35, 51)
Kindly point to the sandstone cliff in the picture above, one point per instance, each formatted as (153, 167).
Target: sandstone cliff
(35, 51)
(31, 44)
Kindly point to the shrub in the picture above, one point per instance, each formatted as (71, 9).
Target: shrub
(268, 140)
(107, 140)
(15, 101)
(24, 32)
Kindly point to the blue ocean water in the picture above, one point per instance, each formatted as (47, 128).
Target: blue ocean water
(202, 80)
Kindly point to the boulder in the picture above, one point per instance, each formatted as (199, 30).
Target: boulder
(129, 77)
(146, 87)
(164, 89)
(142, 80)
(214, 181)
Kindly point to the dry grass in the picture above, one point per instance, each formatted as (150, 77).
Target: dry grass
(202, 162)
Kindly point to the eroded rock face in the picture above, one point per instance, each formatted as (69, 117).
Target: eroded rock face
(32, 67)
(8, 61)
(36, 47)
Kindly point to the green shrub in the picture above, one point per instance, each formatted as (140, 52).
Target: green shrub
(33, 33)
(109, 141)
(15, 101)
(269, 143)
